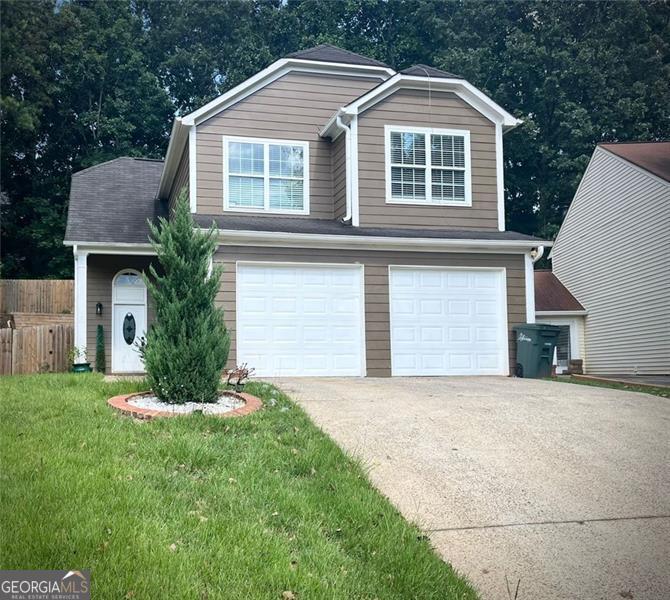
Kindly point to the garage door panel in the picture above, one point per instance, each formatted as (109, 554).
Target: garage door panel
(300, 320)
(447, 321)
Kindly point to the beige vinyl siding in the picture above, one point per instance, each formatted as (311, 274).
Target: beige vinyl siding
(101, 271)
(180, 179)
(339, 160)
(377, 326)
(440, 110)
(294, 107)
(612, 254)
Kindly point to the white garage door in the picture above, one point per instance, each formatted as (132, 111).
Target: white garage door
(299, 320)
(448, 322)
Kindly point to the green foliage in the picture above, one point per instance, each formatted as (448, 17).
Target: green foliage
(187, 348)
(82, 82)
(75, 90)
(100, 360)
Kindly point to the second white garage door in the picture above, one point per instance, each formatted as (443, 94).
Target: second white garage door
(448, 321)
(300, 320)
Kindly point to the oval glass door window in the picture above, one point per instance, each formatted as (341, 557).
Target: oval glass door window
(129, 328)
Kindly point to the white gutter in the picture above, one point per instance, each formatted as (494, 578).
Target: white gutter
(339, 123)
(128, 248)
(232, 237)
(561, 313)
(355, 211)
(537, 254)
(529, 281)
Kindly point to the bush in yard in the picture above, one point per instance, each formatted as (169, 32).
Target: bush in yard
(187, 347)
(100, 362)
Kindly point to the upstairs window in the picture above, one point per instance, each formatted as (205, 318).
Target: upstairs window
(427, 166)
(265, 175)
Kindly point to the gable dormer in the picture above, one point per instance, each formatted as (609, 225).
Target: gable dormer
(428, 153)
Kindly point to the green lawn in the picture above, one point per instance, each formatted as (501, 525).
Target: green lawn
(664, 392)
(197, 507)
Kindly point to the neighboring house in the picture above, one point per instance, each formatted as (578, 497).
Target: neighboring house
(612, 253)
(555, 305)
(360, 215)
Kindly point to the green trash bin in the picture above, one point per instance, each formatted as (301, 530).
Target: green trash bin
(535, 343)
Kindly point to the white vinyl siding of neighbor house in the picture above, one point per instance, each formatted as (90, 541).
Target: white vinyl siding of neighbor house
(612, 254)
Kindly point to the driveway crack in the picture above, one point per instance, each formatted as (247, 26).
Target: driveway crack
(564, 522)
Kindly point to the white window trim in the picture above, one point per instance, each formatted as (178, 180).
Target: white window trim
(427, 131)
(266, 210)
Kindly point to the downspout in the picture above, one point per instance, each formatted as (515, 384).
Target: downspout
(530, 258)
(347, 169)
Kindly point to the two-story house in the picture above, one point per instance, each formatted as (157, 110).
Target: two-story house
(360, 214)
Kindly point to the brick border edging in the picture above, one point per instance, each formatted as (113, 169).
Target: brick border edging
(120, 403)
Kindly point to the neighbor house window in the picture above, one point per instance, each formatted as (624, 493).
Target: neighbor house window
(427, 166)
(266, 175)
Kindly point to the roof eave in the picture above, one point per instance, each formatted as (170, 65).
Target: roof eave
(310, 240)
(272, 72)
(461, 87)
(178, 137)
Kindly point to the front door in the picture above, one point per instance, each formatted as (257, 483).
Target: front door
(129, 321)
(129, 326)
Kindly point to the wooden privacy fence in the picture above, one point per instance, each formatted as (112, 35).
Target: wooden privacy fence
(36, 295)
(42, 349)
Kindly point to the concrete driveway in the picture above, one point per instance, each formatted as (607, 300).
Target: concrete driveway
(561, 486)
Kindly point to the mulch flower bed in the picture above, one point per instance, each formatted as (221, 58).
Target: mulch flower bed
(122, 404)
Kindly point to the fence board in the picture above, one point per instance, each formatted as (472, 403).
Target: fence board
(42, 349)
(6, 337)
(36, 295)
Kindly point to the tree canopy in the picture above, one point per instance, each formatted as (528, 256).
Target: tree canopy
(86, 81)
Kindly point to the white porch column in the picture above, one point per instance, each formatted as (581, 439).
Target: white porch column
(80, 267)
(530, 288)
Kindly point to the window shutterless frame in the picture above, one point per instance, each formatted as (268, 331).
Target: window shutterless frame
(428, 168)
(266, 142)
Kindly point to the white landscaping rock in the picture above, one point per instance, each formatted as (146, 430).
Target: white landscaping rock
(225, 403)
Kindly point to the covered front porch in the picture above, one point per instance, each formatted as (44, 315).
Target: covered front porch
(110, 293)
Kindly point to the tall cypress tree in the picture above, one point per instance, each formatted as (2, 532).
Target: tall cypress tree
(188, 346)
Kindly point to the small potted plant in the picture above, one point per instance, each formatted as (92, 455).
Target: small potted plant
(78, 360)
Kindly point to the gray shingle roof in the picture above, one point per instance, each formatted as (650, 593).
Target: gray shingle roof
(426, 71)
(329, 53)
(112, 201)
(328, 227)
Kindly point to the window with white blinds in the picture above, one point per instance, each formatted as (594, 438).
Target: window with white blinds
(266, 175)
(427, 166)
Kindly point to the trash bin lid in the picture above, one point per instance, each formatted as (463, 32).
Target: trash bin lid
(536, 327)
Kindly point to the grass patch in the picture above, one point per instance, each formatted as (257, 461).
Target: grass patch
(197, 507)
(664, 392)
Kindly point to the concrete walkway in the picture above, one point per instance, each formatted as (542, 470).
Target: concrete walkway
(561, 486)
